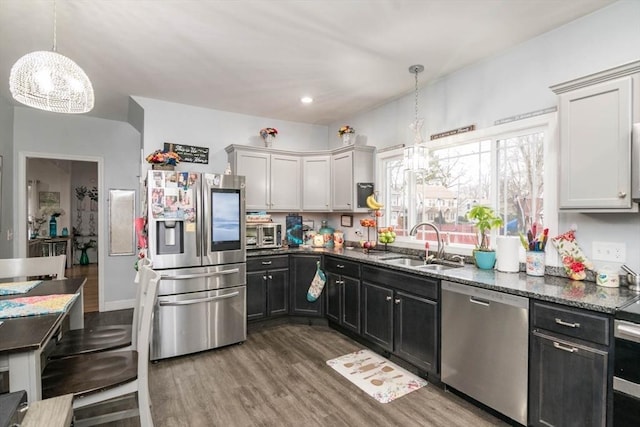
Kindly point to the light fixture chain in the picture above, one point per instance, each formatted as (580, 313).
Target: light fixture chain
(416, 95)
(55, 23)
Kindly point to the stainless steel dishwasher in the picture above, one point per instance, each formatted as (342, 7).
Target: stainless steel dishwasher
(485, 336)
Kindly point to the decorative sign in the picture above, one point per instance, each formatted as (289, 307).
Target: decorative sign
(363, 190)
(189, 153)
(453, 132)
(526, 115)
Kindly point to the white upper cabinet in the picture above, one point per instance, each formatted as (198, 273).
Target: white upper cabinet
(272, 180)
(316, 179)
(597, 113)
(350, 166)
(288, 181)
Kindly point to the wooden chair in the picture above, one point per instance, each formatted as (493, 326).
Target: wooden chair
(23, 268)
(100, 338)
(100, 377)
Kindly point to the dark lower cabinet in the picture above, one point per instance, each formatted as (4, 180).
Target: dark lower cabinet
(377, 315)
(415, 330)
(402, 319)
(302, 269)
(343, 293)
(568, 383)
(569, 366)
(267, 287)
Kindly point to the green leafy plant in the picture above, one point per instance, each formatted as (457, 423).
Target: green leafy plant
(484, 219)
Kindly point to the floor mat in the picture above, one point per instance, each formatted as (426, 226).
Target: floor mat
(376, 376)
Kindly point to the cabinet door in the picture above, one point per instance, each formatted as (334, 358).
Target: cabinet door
(351, 304)
(257, 171)
(316, 183)
(256, 295)
(333, 290)
(377, 307)
(278, 292)
(568, 383)
(285, 183)
(342, 181)
(416, 331)
(302, 270)
(595, 146)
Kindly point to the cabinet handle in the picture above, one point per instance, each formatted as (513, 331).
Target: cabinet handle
(266, 262)
(339, 266)
(264, 277)
(570, 325)
(389, 298)
(563, 348)
(397, 300)
(270, 277)
(622, 194)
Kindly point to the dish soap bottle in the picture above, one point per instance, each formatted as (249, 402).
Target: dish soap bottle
(327, 234)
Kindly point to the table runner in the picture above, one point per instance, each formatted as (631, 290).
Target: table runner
(11, 288)
(35, 306)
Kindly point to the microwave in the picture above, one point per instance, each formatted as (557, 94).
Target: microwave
(261, 236)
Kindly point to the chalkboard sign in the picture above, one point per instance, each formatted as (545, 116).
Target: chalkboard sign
(364, 190)
(189, 153)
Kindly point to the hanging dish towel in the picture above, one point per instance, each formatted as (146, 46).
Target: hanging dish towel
(317, 284)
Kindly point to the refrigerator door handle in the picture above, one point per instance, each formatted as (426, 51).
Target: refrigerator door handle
(198, 220)
(199, 300)
(199, 275)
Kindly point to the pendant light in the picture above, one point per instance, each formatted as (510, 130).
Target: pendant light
(50, 81)
(415, 154)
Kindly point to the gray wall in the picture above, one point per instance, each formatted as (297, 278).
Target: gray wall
(6, 190)
(117, 144)
(517, 82)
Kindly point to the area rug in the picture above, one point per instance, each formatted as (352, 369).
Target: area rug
(376, 376)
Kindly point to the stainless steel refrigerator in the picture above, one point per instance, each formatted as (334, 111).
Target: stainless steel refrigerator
(196, 237)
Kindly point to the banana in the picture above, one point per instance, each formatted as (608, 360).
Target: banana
(373, 204)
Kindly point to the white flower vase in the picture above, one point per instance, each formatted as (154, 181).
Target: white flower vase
(268, 140)
(348, 139)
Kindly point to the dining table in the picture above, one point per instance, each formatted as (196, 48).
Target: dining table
(23, 340)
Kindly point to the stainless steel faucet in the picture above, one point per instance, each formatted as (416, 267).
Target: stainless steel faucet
(440, 250)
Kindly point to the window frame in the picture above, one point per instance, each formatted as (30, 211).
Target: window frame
(546, 123)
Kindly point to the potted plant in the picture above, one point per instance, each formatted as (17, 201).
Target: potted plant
(484, 219)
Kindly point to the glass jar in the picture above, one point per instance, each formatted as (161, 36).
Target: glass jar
(53, 227)
(327, 234)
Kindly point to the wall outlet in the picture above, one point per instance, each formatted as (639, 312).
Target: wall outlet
(609, 251)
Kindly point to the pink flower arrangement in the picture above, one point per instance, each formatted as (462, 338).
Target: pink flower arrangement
(268, 131)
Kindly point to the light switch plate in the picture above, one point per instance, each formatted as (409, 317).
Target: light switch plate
(609, 251)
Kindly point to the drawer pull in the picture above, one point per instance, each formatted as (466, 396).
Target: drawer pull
(339, 266)
(389, 298)
(397, 300)
(570, 325)
(266, 262)
(563, 348)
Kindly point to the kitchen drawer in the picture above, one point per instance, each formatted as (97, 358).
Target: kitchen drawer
(342, 267)
(580, 324)
(267, 263)
(415, 284)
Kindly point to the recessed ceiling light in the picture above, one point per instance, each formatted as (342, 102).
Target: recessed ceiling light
(306, 100)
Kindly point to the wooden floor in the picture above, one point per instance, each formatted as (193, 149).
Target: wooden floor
(90, 288)
(279, 377)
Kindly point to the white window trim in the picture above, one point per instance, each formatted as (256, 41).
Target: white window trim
(545, 122)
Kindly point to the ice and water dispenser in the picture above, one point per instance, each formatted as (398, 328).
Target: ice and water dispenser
(170, 237)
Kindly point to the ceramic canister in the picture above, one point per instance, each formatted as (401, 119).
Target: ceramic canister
(608, 277)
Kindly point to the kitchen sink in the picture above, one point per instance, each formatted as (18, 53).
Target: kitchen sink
(435, 267)
(406, 262)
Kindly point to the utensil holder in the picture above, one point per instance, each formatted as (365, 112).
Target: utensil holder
(535, 263)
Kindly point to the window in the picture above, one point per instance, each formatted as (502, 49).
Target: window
(503, 167)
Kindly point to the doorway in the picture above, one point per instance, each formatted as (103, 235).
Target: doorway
(72, 186)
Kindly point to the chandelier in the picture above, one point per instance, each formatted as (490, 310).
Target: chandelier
(416, 153)
(50, 81)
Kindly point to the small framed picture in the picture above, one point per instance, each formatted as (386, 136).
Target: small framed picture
(346, 220)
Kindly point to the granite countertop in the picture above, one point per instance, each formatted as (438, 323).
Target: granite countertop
(581, 294)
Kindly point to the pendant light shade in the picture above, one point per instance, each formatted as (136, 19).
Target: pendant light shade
(51, 82)
(416, 154)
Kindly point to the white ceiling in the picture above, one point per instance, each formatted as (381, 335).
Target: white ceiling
(259, 57)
